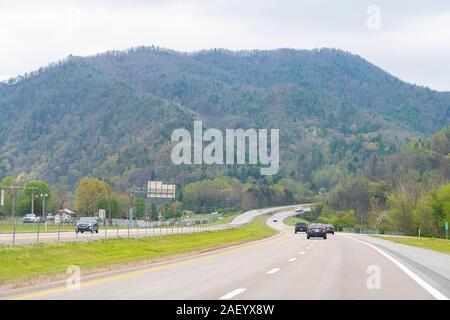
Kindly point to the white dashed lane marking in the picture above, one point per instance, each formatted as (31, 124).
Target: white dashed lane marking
(232, 294)
(275, 270)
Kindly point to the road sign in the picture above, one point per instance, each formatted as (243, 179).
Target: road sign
(156, 189)
(2, 197)
(102, 213)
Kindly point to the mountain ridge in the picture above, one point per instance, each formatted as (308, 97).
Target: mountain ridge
(111, 115)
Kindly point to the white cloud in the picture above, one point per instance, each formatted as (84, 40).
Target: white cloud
(413, 42)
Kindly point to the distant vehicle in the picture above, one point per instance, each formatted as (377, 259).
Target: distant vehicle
(30, 218)
(330, 228)
(299, 211)
(87, 224)
(41, 219)
(316, 230)
(66, 219)
(301, 227)
(275, 219)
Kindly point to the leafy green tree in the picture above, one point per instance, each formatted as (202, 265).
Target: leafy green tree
(140, 207)
(440, 202)
(423, 216)
(88, 194)
(112, 202)
(343, 219)
(39, 189)
(154, 211)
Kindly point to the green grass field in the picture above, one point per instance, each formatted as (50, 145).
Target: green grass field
(291, 221)
(25, 262)
(440, 245)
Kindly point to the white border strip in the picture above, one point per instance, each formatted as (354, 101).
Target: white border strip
(435, 293)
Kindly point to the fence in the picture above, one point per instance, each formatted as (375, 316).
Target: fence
(17, 232)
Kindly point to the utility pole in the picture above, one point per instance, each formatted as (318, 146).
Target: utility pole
(109, 204)
(43, 203)
(32, 198)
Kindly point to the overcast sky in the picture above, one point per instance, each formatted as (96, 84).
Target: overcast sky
(408, 38)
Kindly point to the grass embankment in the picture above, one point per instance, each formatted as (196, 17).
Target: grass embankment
(25, 262)
(291, 221)
(440, 245)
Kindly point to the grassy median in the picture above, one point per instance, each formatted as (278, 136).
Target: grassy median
(441, 245)
(45, 259)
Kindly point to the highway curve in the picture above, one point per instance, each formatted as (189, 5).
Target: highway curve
(286, 266)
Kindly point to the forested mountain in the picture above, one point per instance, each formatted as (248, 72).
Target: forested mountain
(112, 115)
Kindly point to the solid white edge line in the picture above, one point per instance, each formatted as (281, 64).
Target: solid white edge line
(275, 270)
(434, 292)
(292, 259)
(232, 294)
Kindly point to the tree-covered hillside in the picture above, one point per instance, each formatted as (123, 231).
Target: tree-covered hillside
(112, 115)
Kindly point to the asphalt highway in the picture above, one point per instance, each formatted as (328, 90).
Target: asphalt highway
(286, 266)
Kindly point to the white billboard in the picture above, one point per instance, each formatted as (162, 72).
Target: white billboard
(157, 189)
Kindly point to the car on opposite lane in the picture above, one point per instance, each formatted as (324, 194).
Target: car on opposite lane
(316, 230)
(301, 227)
(87, 224)
(275, 219)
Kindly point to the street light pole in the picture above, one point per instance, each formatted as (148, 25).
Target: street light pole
(32, 198)
(43, 196)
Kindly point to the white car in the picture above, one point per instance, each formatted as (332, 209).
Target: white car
(30, 218)
(275, 219)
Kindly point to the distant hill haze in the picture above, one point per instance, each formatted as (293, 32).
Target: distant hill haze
(112, 115)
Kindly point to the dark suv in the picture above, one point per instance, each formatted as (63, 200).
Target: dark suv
(301, 227)
(330, 228)
(87, 224)
(316, 230)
